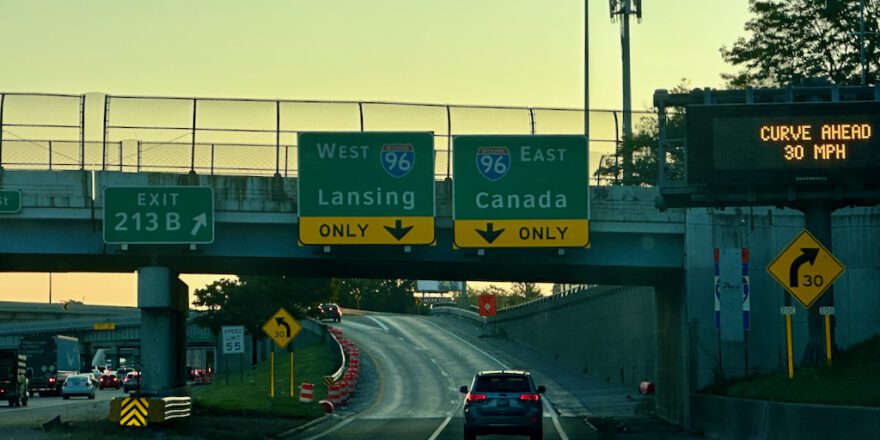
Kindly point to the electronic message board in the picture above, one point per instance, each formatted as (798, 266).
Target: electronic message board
(783, 143)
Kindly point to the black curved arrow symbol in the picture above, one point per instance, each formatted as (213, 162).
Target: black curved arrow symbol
(280, 321)
(490, 234)
(808, 256)
(398, 231)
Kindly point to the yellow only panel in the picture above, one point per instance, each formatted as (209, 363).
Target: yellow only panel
(522, 233)
(366, 230)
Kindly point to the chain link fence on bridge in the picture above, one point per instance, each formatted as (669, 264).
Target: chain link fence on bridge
(249, 137)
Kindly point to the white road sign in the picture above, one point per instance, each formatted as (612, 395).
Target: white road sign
(233, 339)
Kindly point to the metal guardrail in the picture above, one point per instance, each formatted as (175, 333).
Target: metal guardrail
(341, 370)
(467, 314)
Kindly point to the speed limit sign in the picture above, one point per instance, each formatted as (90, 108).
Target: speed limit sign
(233, 339)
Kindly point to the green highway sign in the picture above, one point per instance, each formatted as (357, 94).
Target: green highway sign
(159, 215)
(520, 191)
(366, 188)
(10, 201)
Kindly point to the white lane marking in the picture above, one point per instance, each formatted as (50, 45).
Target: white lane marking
(555, 418)
(379, 323)
(440, 428)
(562, 434)
(336, 427)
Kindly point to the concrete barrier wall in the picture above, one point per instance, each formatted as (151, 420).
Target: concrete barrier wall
(606, 331)
(734, 419)
(56, 189)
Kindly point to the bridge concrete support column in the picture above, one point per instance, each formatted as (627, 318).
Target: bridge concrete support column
(162, 299)
(672, 361)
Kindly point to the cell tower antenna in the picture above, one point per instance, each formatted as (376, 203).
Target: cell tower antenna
(622, 10)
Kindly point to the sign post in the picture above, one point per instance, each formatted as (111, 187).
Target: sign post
(366, 188)
(233, 343)
(520, 191)
(159, 215)
(788, 311)
(282, 328)
(826, 312)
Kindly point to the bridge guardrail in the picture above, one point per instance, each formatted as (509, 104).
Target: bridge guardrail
(258, 136)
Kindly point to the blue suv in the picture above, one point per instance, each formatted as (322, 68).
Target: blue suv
(503, 402)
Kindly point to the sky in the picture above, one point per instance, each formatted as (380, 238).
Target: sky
(492, 52)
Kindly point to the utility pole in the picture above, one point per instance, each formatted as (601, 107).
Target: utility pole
(622, 9)
(862, 42)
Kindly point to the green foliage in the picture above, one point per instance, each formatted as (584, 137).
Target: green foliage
(518, 294)
(250, 397)
(251, 300)
(790, 41)
(394, 296)
(644, 144)
(851, 380)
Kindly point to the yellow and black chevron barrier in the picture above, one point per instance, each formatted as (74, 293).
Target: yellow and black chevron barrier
(134, 411)
(141, 411)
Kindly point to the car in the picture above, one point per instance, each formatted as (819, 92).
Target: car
(132, 381)
(330, 311)
(78, 385)
(108, 380)
(122, 371)
(503, 402)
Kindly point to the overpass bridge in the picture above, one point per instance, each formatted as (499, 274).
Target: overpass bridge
(18, 319)
(632, 243)
(256, 233)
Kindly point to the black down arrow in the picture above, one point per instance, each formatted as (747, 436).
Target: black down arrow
(490, 234)
(398, 231)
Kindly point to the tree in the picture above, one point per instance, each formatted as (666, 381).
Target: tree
(528, 291)
(791, 41)
(518, 294)
(251, 300)
(643, 145)
(377, 295)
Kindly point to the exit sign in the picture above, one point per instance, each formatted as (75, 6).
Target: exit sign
(159, 215)
(520, 191)
(366, 188)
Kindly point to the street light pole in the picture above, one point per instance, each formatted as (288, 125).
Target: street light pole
(587, 71)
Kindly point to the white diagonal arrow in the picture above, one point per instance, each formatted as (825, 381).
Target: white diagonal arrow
(201, 220)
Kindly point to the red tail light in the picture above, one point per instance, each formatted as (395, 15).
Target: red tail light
(530, 397)
(476, 397)
(51, 380)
